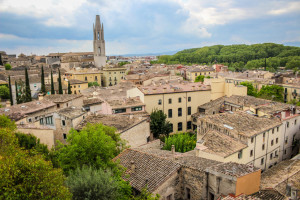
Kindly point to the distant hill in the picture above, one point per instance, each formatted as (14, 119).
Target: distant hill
(239, 57)
(148, 54)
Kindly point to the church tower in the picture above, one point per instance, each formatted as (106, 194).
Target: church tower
(99, 43)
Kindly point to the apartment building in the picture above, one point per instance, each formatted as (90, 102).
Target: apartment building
(112, 75)
(240, 137)
(178, 101)
(192, 73)
(85, 75)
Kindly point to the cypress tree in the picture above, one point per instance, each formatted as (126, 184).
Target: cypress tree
(17, 93)
(69, 88)
(60, 90)
(27, 87)
(43, 87)
(52, 84)
(10, 93)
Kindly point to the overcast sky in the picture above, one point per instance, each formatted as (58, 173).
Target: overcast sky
(145, 26)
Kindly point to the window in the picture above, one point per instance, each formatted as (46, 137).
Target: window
(189, 99)
(170, 101)
(159, 102)
(42, 121)
(285, 152)
(78, 86)
(277, 129)
(136, 108)
(63, 122)
(189, 125)
(179, 112)
(49, 120)
(179, 126)
(171, 127)
(271, 156)
(170, 113)
(179, 100)
(262, 161)
(295, 121)
(189, 110)
(29, 120)
(85, 78)
(252, 139)
(188, 193)
(276, 140)
(287, 124)
(273, 131)
(240, 155)
(263, 147)
(65, 136)
(276, 153)
(251, 153)
(122, 110)
(170, 197)
(96, 78)
(272, 142)
(57, 105)
(286, 140)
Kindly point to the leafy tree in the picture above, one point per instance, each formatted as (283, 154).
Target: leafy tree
(30, 142)
(158, 124)
(27, 88)
(271, 92)
(43, 87)
(95, 145)
(60, 90)
(10, 92)
(52, 84)
(89, 183)
(145, 195)
(25, 176)
(199, 78)
(7, 66)
(90, 84)
(69, 88)
(4, 92)
(251, 90)
(6, 123)
(183, 142)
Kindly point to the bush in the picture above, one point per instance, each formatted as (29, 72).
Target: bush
(7, 66)
(90, 84)
(4, 92)
(183, 142)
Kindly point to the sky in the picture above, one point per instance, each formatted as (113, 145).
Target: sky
(144, 26)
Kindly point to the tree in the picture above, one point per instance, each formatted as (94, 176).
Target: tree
(251, 91)
(158, 124)
(60, 90)
(6, 123)
(271, 92)
(69, 88)
(183, 142)
(27, 88)
(89, 183)
(10, 92)
(200, 78)
(4, 92)
(31, 143)
(95, 145)
(52, 84)
(90, 84)
(43, 87)
(17, 92)
(7, 66)
(145, 195)
(25, 176)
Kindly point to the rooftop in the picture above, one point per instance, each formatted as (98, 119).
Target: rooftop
(19, 111)
(233, 169)
(92, 101)
(220, 144)
(71, 112)
(241, 123)
(75, 81)
(174, 88)
(126, 102)
(61, 98)
(120, 122)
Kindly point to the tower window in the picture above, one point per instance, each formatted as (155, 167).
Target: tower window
(99, 50)
(98, 36)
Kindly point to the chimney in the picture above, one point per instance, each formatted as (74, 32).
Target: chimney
(41, 96)
(132, 165)
(7, 104)
(173, 149)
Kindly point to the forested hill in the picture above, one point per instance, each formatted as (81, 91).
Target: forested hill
(239, 57)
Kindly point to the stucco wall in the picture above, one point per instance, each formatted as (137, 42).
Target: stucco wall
(248, 184)
(46, 136)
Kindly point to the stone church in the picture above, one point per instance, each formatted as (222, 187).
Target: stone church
(99, 43)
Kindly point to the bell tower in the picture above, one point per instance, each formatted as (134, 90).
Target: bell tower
(99, 43)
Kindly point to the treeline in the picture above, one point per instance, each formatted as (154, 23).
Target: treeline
(239, 57)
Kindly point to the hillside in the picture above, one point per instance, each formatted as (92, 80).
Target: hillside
(239, 57)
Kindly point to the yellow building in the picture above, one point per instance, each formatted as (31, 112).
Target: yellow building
(77, 86)
(84, 75)
(177, 101)
(112, 75)
(191, 74)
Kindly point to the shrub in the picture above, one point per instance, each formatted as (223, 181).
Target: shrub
(183, 142)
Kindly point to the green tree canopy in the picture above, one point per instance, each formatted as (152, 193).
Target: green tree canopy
(4, 92)
(158, 124)
(7, 66)
(271, 92)
(251, 91)
(90, 84)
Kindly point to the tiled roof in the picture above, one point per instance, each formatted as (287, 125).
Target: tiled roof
(92, 101)
(221, 144)
(71, 112)
(75, 81)
(61, 98)
(149, 170)
(233, 169)
(268, 194)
